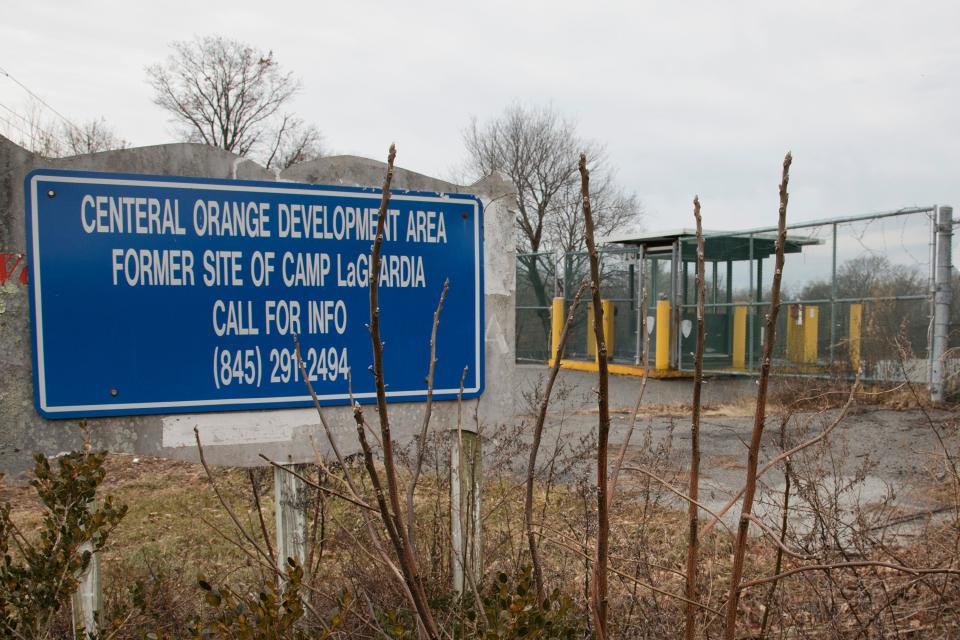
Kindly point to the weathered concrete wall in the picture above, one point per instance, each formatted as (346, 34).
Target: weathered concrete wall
(233, 437)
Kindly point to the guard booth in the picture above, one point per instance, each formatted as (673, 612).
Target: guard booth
(738, 270)
(867, 294)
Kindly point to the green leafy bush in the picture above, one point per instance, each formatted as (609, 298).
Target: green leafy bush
(271, 614)
(512, 611)
(38, 574)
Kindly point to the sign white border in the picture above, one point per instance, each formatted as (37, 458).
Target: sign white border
(361, 192)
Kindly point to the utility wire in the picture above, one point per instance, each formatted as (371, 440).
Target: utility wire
(38, 98)
(31, 125)
(14, 126)
(3, 106)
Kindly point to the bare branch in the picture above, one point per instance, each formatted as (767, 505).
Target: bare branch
(777, 539)
(317, 486)
(599, 599)
(393, 515)
(269, 559)
(427, 411)
(690, 623)
(673, 490)
(627, 576)
(914, 571)
(256, 500)
(785, 455)
(559, 349)
(740, 546)
(645, 362)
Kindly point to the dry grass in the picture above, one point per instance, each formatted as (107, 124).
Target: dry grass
(168, 537)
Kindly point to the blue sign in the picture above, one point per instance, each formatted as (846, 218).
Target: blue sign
(155, 294)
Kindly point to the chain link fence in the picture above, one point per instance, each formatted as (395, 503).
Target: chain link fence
(536, 288)
(857, 292)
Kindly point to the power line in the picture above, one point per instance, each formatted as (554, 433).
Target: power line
(3, 106)
(14, 126)
(32, 126)
(38, 98)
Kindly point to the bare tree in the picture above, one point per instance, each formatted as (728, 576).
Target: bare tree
(40, 134)
(92, 136)
(616, 210)
(293, 142)
(230, 95)
(538, 149)
(58, 137)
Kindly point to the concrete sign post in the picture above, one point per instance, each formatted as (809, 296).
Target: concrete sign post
(289, 500)
(87, 600)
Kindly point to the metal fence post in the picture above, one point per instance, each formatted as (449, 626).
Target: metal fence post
(941, 311)
(751, 311)
(833, 294)
(642, 303)
(931, 292)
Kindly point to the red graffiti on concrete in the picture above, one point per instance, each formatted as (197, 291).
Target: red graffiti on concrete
(13, 268)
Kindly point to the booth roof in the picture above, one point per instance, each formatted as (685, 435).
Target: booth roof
(718, 245)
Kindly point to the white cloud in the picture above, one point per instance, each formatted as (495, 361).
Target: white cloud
(689, 97)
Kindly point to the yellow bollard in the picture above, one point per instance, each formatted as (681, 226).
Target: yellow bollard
(740, 338)
(608, 310)
(795, 333)
(811, 328)
(557, 320)
(856, 321)
(803, 327)
(591, 336)
(662, 327)
(607, 306)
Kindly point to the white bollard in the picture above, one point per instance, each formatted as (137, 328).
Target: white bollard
(290, 500)
(87, 598)
(465, 481)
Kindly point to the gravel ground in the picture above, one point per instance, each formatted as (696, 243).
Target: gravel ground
(875, 454)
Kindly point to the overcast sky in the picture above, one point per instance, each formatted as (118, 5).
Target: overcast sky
(688, 97)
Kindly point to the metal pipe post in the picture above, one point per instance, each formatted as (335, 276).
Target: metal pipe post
(941, 311)
(641, 283)
(675, 302)
(750, 313)
(931, 293)
(729, 297)
(715, 285)
(833, 295)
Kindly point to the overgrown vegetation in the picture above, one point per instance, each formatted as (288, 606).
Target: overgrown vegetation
(40, 569)
(813, 554)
